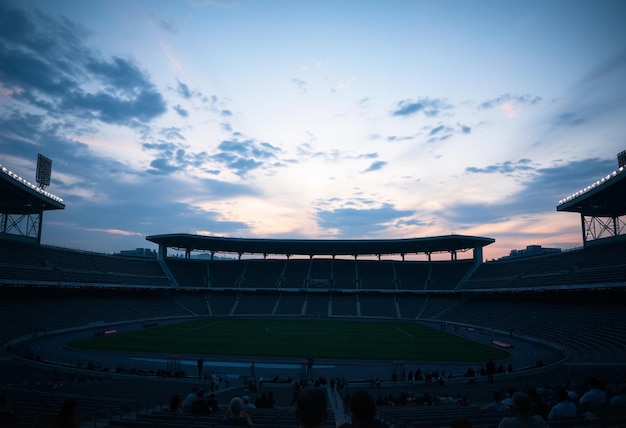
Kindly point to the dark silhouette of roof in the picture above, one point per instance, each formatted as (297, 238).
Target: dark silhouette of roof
(604, 198)
(17, 196)
(449, 243)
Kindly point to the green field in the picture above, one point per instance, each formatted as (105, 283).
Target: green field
(401, 341)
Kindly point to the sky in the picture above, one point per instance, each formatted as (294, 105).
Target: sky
(313, 119)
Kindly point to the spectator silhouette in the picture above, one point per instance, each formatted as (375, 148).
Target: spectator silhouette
(619, 399)
(595, 396)
(270, 400)
(522, 414)
(67, 416)
(312, 408)
(363, 412)
(200, 366)
(235, 415)
(246, 403)
(564, 409)
(176, 404)
(190, 398)
(491, 370)
(497, 404)
(200, 406)
(213, 404)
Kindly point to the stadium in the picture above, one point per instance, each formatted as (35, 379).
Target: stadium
(121, 334)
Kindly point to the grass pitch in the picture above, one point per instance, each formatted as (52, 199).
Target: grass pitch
(355, 340)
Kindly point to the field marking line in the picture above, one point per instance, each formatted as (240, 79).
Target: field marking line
(205, 326)
(404, 332)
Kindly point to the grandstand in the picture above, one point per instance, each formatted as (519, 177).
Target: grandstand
(571, 303)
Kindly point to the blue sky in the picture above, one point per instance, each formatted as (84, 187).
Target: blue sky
(326, 119)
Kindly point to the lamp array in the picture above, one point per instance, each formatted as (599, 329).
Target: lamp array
(29, 184)
(592, 186)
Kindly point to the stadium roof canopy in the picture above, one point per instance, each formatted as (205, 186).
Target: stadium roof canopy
(310, 247)
(18, 196)
(604, 198)
(22, 205)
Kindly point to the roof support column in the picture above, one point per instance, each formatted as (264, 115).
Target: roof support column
(478, 255)
(39, 227)
(162, 254)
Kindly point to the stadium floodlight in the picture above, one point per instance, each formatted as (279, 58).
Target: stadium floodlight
(29, 184)
(621, 159)
(44, 170)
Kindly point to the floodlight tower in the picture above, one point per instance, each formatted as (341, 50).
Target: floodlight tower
(621, 159)
(44, 171)
(22, 203)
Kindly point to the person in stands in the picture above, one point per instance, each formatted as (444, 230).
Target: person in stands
(522, 414)
(496, 405)
(213, 403)
(68, 415)
(312, 408)
(564, 409)
(190, 398)
(246, 403)
(235, 415)
(176, 404)
(595, 396)
(619, 399)
(200, 406)
(363, 412)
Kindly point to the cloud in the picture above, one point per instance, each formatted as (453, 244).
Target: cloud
(600, 94)
(540, 192)
(300, 84)
(438, 129)
(97, 189)
(172, 156)
(342, 85)
(372, 155)
(352, 222)
(569, 119)
(245, 156)
(168, 26)
(428, 107)
(44, 63)
(507, 167)
(378, 165)
(608, 73)
(392, 138)
(183, 90)
(510, 105)
(508, 98)
(172, 133)
(443, 132)
(181, 111)
(163, 166)
(116, 232)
